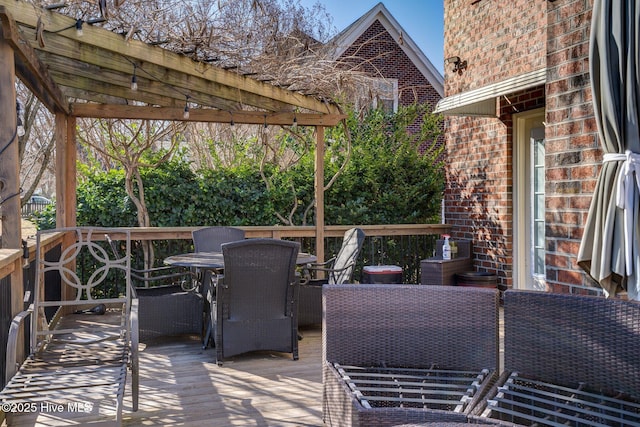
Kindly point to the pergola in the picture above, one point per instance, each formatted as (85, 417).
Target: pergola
(90, 74)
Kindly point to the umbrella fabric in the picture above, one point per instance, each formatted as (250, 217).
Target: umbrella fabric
(610, 243)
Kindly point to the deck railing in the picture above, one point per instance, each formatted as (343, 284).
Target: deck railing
(32, 207)
(403, 245)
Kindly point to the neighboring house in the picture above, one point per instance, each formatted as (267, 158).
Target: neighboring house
(522, 148)
(400, 73)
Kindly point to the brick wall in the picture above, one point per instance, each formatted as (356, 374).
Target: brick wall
(378, 54)
(478, 191)
(499, 41)
(573, 149)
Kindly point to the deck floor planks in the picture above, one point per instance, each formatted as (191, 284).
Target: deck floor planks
(180, 384)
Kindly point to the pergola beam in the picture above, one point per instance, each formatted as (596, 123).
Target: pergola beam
(166, 87)
(28, 67)
(113, 48)
(203, 115)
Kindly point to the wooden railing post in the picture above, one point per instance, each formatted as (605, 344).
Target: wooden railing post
(11, 266)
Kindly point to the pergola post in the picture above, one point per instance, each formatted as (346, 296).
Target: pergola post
(10, 173)
(65, 134)
(9, 153)
(319, 190)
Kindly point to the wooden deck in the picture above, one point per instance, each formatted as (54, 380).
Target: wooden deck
(180, 384)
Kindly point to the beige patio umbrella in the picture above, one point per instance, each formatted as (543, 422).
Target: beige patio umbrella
(609, 250)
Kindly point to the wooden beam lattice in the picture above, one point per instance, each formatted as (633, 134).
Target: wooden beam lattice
(112, 52)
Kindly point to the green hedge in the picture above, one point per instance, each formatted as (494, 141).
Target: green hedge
(386, 181)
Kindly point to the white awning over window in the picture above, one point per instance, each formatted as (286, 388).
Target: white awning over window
(482, 101)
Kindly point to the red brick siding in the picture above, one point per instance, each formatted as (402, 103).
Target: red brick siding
(572, 146)
(501, 40)
(498, 39)
(479, 193)
(376, 52)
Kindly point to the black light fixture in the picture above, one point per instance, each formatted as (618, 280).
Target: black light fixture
(78, 26)
(185, 114)
(458, 64)
(134, 79)
(19, 123)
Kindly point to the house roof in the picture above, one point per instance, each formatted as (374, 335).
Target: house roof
(90, 75)
(379, 12)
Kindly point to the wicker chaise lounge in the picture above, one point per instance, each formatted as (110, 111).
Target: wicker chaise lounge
(569, 360)
(395, 354)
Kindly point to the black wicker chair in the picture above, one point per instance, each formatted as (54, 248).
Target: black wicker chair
(254, 306)
(168, 304)
(338, 269)
(402, 354)
(210, 239)
(569, 360)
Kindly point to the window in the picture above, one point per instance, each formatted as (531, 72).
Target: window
(538, 182)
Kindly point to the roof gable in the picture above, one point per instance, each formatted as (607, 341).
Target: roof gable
(349, 35)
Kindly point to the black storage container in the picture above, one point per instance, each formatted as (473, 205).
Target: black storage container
(481, 279)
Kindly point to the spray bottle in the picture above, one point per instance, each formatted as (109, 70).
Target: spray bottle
(446, 248)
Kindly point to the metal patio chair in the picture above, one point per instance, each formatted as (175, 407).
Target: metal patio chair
(338, 269)
(84, 341)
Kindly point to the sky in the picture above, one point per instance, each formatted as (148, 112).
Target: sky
(422, 20)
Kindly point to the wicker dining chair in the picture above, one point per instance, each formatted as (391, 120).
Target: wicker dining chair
(255, 303)
(210, 239)
(168, 305)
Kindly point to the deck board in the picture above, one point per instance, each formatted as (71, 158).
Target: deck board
(180, 384)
